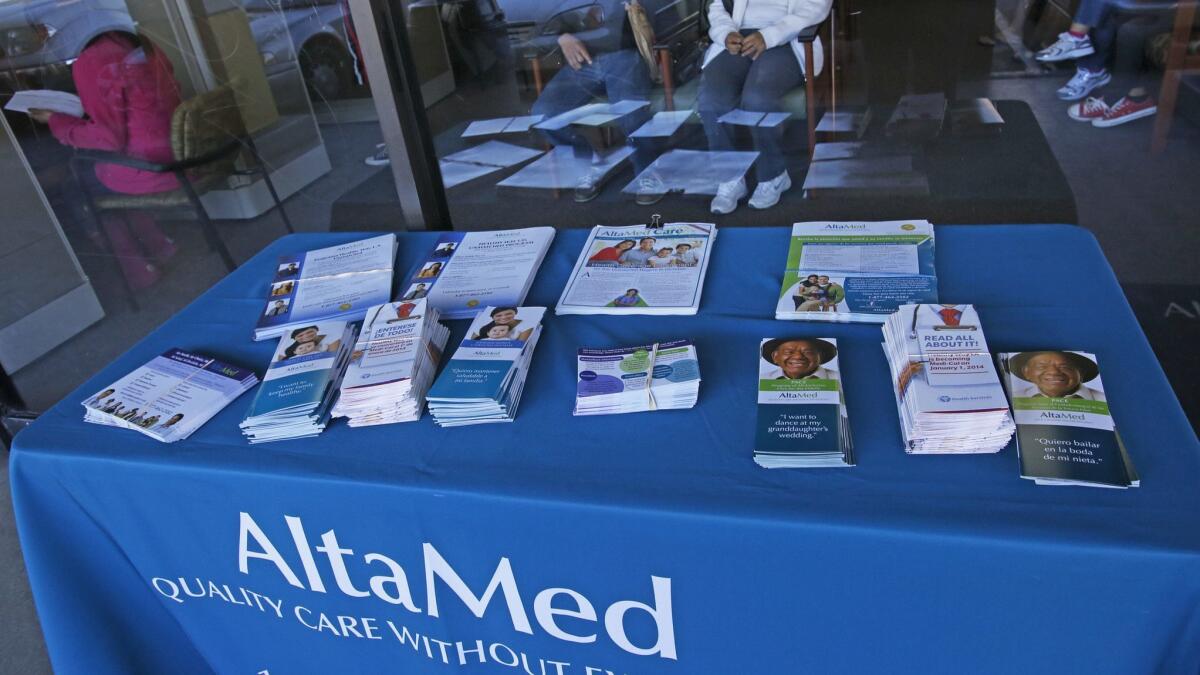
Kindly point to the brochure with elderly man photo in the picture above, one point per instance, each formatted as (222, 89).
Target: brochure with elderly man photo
(640, 269)
(1065, 431)
(802, 420)
(857, 271)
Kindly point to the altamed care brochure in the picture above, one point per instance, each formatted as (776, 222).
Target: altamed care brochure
(857, 271)
(640, 269)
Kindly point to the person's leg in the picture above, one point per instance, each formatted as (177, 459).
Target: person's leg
(721, 84)
(626, 78)
(1076, 42)
(568, 89)
(770, 77)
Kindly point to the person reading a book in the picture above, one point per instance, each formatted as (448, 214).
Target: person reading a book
(612, 254)
(637, 257)
(602, 62)
(508, 316)
(754, 60)
(663, 258)
(799, 358)
(128, 91)
(1056, 374)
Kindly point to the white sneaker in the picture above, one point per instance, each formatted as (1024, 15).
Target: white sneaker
(1065, 48)
(728, 196)
(1084, 82)
(767, 194)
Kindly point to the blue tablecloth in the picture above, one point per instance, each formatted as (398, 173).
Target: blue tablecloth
(901, 564)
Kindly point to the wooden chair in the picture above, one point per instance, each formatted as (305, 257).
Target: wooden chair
(208, 136)
(1179, 63)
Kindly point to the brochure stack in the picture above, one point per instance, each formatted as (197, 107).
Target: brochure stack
(661, 376)
(857, 271)
(640, 269)
(335, 283)
(947, 391)
(483, 381)
(802, 419)
(169, 397)
(392, 365)
(1065, 432)
(301, 383)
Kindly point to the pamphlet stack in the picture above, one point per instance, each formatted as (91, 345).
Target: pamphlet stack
(661, 376)
(392, 365)
(640, 269)
(1065, 432)
(802, 419)
(857, 271)
(483, 381)
(169, 397)
(301, 383)
(947, 391)
(338, 283)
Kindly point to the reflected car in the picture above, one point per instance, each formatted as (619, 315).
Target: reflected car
(317, 31)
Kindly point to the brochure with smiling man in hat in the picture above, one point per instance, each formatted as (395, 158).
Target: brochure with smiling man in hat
(802, 418)
(1065, 431)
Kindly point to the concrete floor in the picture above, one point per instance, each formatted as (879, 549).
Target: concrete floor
(1141, 207)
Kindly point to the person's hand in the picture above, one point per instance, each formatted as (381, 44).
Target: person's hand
(574, 51)
(733, 42)
(753, 45)
(40, 115)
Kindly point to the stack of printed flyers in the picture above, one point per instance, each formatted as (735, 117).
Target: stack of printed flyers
(301, 383)
(802, 420)
(857, 271)
(169, 397)
(661, 376)
(392, 365)
(465, 271)
(335, 283)
(947, 390)
(483, 381)
(1065, 432)
(640, 269)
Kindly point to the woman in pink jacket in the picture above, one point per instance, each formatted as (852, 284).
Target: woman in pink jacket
(129, 93)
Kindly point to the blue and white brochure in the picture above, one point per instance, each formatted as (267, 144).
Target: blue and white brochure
(301, 383)
(483, 380)
(169, 397)
(465, 271)
(339, 282)
(802, 420)
(857, 271)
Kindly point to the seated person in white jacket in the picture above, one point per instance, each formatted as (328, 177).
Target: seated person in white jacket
(753, 62)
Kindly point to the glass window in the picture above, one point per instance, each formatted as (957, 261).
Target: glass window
(99, 252)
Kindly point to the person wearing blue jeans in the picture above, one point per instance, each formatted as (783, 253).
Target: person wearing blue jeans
(753, 62)
(1092, 42)
(602, 62)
